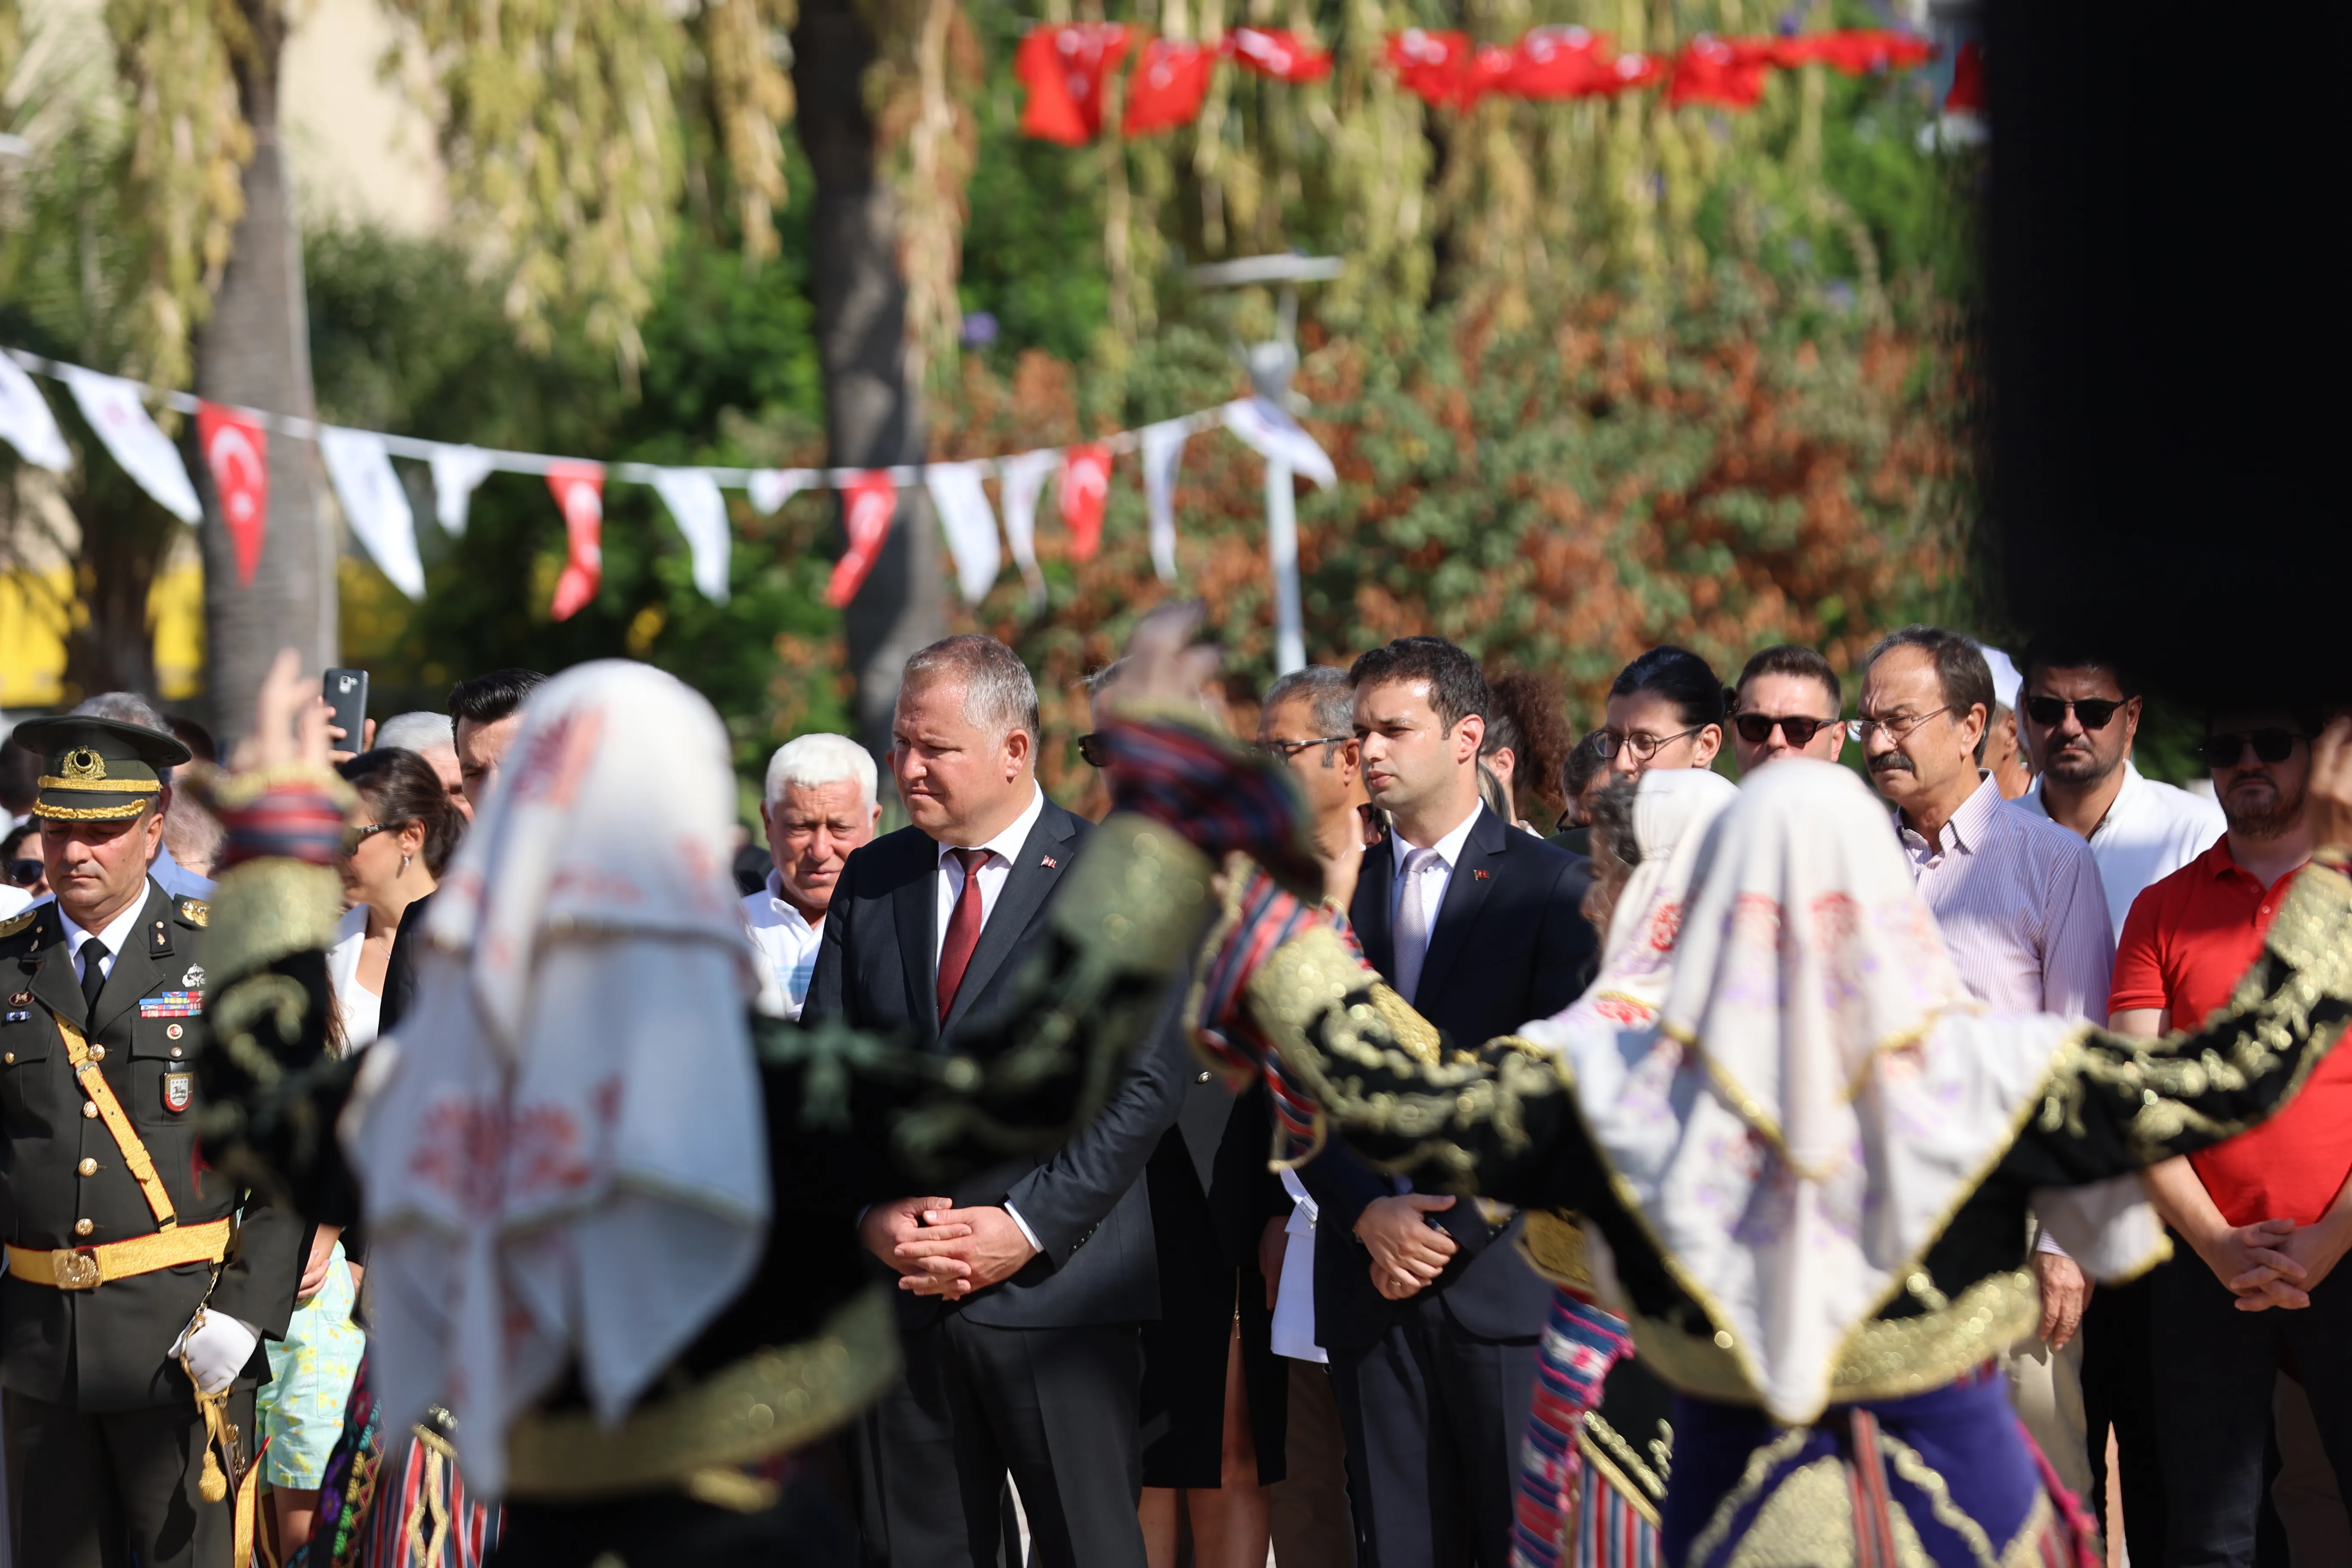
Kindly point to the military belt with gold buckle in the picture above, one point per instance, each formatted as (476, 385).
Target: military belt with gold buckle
(88, 1268)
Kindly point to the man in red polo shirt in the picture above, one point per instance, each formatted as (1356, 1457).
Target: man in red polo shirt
(2270, 1212)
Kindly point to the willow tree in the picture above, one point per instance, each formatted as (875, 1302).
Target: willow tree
(564, 127)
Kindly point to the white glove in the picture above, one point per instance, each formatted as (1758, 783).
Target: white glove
(217, 1347)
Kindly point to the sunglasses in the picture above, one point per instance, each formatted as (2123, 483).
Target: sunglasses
(24, 873)
(1757, 728)
(2051, 712)
(1095, 748)
(355, 837)
(2225, 750)
(1283, 750)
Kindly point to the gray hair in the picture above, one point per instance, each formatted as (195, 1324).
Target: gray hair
(999, 693)
(1330, 697)
(1961, 672)
(420, 732)
(123, 708)
(813, 761)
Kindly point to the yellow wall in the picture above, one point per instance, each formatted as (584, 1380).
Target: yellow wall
(36, 609)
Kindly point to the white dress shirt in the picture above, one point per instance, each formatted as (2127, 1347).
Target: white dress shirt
(360, 1009)
(786, 941)
(117, 933)
(1435, 877)
(2150, 831)
(1002, 849)
(2021, 906)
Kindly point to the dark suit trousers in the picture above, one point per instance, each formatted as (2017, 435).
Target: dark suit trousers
(1432, 1418)
(108, 1491)
(2119, 1375)
(1056, 1407)
(2217, 1371)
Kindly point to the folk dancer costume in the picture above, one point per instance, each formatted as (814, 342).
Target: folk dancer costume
(1809, 1174)
(611, 1204)
(124, 1247)
(1594, 1462)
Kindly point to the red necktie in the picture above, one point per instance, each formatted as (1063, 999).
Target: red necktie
(964, 929)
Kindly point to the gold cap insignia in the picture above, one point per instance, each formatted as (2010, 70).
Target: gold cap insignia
(81, 766)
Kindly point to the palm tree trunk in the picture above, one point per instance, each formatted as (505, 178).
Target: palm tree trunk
(254, 350)
(874, 415)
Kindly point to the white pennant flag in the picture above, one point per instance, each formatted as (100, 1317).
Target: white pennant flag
(966, 518)
(1024, 477)
(693, 499)
(456, 472)
(1276, 436)
(26, 422)
(375, 503)
(771, 487)
(1163, 451)
(116, 411)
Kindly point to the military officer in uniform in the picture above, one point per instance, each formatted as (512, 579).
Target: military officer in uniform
(137, 1277)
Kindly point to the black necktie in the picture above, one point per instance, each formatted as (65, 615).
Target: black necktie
(93, 974)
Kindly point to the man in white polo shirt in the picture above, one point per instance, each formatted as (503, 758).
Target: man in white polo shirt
(2079, 711)
(819, 805)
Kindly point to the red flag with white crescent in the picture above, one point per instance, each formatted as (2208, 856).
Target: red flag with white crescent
(866, 509)
(579, 489)
(1279, 53)
(1085, 491)
(1170, 79)
(1064, 68)
(236, 450)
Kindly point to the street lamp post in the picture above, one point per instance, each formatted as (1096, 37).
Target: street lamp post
(1271, 365)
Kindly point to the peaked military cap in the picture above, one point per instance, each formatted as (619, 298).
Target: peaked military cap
(98, 769)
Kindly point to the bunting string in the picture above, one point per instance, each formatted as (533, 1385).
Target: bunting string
(234, 443)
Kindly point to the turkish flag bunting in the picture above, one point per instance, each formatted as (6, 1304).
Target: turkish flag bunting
(1169, 82)
(1430, 64)
(866, 509)
(1726, 72)
(1064, 69)
(1277, 52)
(1857, 51)
(1967, 94)
(1557, 62)
(579, 489)
(236, 450)
(1628, 71)
(1086, 490)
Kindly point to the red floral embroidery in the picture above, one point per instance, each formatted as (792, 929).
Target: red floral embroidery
(1665, 925)
(559, 754)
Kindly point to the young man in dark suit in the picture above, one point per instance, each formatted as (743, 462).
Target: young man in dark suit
(1429, 1312)
(1020, 1292)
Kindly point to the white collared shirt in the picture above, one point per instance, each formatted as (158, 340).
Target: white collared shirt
(1436, 875)
(1002, 851)
(2150, 831)
(786, 939)
(117, 933)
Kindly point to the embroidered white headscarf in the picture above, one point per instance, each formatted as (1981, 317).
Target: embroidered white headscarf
(562, 1146)
(1819, 1091)
(1673, 809)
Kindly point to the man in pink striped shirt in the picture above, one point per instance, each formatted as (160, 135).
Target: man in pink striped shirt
(2022, 909)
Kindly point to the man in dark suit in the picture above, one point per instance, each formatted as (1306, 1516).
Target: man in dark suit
(1022, 1290)
(1429, 1312)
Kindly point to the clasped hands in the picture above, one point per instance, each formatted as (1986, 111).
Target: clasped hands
(942, 1250)
(2276, 1262)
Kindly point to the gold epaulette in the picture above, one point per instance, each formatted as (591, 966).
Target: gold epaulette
(195, 912)
(15, 924)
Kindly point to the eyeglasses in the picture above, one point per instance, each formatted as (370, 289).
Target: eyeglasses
(1095, 748)
(2051, 712)
(1757, 728)
(1608, 743)
(355, 837)
(1283, 750)
(1860, 729)
(2227, 750)
(25, 873)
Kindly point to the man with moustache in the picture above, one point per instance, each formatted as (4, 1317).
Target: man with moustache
(2018, 901)
(1787, 704)
(818, 807)
(2268, 1213)
(2081, 711)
